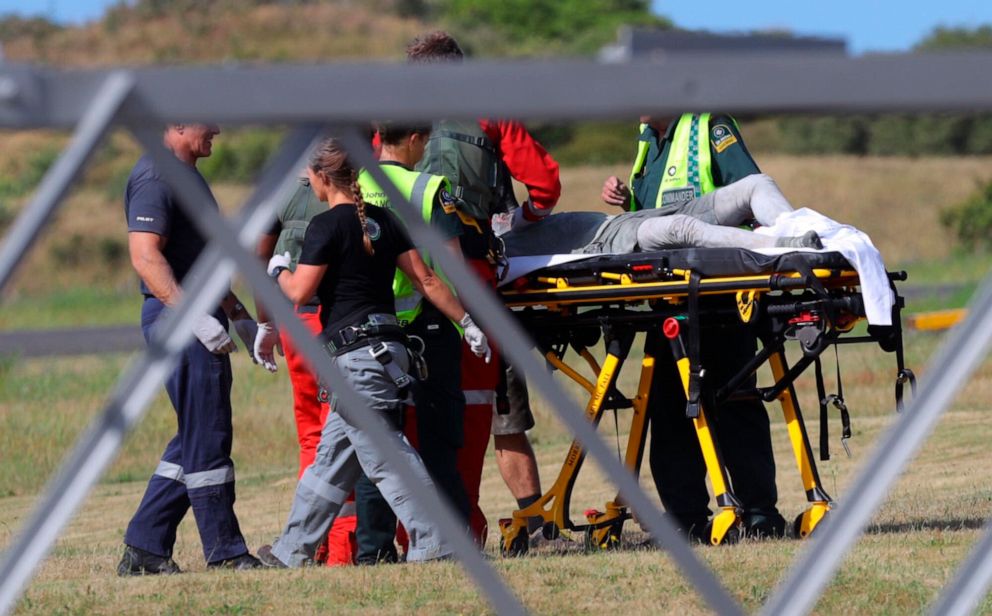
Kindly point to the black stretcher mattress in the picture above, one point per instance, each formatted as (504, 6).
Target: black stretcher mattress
(708, 262)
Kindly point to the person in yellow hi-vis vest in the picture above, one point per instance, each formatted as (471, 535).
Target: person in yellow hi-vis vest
(678, 161)
(437, 431)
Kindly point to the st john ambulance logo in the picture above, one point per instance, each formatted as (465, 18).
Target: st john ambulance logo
(375, 231)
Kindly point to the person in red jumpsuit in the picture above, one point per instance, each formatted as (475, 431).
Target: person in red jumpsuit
(526, 161)
(308, 409)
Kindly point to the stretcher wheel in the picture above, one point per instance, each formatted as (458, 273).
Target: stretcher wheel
(518, 546)
(734, 534)
(797, 525)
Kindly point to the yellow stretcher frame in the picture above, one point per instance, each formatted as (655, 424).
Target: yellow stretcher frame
(603, 528)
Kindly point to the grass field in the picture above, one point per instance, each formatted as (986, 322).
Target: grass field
(78, 275)
(913, 545)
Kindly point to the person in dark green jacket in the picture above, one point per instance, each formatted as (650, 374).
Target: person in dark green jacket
(677, 162)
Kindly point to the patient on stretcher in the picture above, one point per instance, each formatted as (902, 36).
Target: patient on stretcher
(709, 221)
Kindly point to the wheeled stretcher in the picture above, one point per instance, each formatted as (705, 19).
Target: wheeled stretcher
(812, 298)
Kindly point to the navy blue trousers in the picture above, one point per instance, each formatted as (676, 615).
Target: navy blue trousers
(196, 468)
(741, 427)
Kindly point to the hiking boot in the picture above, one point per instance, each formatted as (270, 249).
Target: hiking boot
(238, 563)
(139, 562)
(810, 239)
(764, 525)
(385, 556)
(268, 559)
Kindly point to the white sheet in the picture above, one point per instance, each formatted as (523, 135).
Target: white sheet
(855, 245)
(521, 266)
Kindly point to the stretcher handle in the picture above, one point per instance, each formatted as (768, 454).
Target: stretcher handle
(851, 303)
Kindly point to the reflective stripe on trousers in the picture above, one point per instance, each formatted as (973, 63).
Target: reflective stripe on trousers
(479, 396)
(202, 479)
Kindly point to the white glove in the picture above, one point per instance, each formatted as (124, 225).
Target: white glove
(247, 329)
(267, 339)
(501, 223)
(212, 335)
(475, 338)
(278, 261)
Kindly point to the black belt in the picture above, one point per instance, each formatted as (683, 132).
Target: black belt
(374, 334)
(307, 309)
(355, 337)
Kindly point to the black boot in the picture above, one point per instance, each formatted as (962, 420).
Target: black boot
(139, 562)
(764, 524)
(238, 563)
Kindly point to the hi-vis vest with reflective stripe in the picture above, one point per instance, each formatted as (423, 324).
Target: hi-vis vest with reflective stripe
(420, 189)
(688, 171)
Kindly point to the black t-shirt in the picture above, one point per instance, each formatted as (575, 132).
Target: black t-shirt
(355, 284)
(151, 206)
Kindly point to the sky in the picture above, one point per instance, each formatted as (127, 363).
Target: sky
(867, 25)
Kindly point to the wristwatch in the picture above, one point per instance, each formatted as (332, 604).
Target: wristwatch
(276, 271)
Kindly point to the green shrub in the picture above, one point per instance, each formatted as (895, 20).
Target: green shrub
(940, 135)
(599, 143)
(239, 156)
(77, 249)
(7, 216)
(971, 220)
(979, 137)
(115, 186)
(112, 250)
(546, 27)
(71, 251)
(823, 135)
(588, 143)
(35, 166)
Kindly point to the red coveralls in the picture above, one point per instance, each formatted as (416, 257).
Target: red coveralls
(310, 414)
(533, 167)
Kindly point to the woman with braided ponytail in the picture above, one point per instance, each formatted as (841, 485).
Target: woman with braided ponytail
(356, 193)
(349, 258)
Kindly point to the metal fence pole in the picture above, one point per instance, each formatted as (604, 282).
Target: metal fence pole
(96, 449)
(92, 127)
(962, 595)
(959, 356)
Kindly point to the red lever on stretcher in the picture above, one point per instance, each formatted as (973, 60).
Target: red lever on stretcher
(671, 328)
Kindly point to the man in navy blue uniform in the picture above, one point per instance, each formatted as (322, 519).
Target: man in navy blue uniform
(196, 468)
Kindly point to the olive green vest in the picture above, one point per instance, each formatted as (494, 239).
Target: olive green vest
(421, 190)
(688, 167)
(295, 218)
(463, 153)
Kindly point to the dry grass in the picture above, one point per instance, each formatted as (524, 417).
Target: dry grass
(914, 544)
(342, 30)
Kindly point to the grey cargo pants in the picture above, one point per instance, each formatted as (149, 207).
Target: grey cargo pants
(343, 454)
